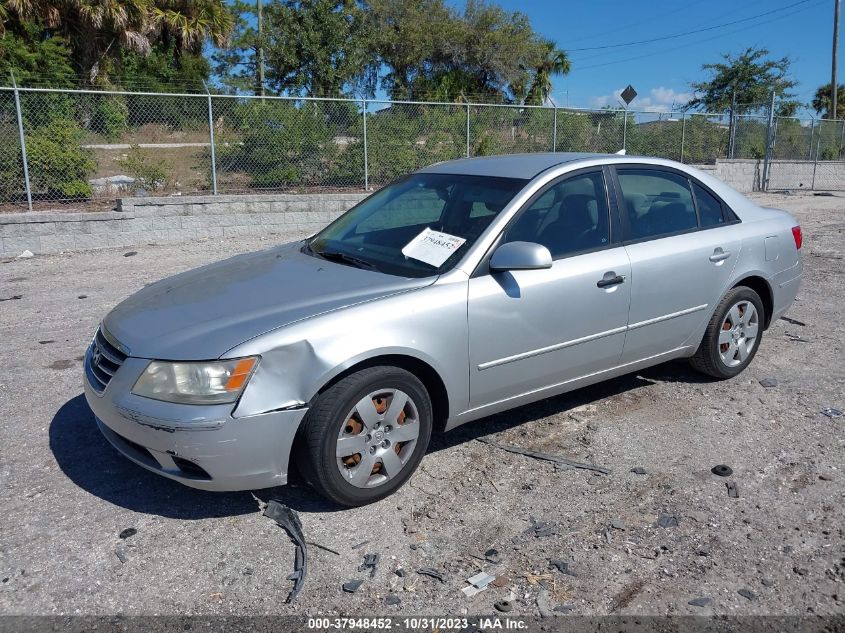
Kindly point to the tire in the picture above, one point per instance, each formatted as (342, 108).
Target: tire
(382, 452)
(727, 346)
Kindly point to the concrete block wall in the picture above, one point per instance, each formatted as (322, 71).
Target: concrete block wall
(140, 221)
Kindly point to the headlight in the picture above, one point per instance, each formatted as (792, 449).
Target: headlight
(213, 382)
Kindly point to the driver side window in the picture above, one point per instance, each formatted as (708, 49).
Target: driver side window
(569, 217)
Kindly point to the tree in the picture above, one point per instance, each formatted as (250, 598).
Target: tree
(99, 33)
(553, 62)
(752, 77)
(821, 102)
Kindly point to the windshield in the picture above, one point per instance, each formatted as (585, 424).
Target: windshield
(418, 226)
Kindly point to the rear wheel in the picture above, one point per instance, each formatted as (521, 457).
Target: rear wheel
(365, 435)
(733, 335)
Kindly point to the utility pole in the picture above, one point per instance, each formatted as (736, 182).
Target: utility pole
(834, 88)
(259, 10)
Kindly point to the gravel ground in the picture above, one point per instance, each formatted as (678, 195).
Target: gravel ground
(779, 548)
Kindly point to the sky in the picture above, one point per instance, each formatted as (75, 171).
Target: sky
(661, 71)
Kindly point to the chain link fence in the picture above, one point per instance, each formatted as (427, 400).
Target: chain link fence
(77, 146)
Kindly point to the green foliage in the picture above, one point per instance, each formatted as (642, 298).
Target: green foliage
(822, 102)
(110, 117)
(752, 77)
(150, 172)
(36, 60)
(58, 164)
(11, 165)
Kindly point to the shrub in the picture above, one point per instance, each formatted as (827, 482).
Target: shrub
(110, 117)
(58, 163)
(148, 172)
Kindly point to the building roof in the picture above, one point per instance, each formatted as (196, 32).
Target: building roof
(524, 166)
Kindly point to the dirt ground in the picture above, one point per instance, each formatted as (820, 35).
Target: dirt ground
(779, 548)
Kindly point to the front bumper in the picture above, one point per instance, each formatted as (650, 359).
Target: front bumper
(200, 446)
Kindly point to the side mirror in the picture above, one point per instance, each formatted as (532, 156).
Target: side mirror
(520, 256)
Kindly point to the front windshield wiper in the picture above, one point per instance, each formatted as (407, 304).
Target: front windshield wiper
(343, 258)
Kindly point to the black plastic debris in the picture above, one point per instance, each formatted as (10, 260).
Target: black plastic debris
(733, 490)
(12, 298)
(562, 566)
(793, 321)
(400, 572)
(638, 470)
(768, 383)
(722, 470)
(130, 253)
(831, 412)
(125, 534)
(351, 586)
(747, 593)
(391, 599)
(82, 297)
(666, 521)
(288, 520)
(505, 606)
(431, 572)
(492, 556)
(370, 562)
(361, 544)
(700, 602)
(540, 529)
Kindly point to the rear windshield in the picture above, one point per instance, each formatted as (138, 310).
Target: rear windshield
(418, 226)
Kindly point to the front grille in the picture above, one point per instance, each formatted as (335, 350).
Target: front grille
(105, 359)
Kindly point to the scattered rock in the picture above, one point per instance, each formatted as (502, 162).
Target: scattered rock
(666, 521)
(638, 470)
(125, 534)
(500, 581)
(492, 556)
(768, 383)
(747, 593)
(618, 524)
(563, 608)
(26, 254)
(801, 571)
(351, 586)
(130, 253)
(121, 555)
(722, 470)
(700, 602)
(391, 599)
(733, 490)
(247, 571)
(767, 582)
(400, 572)
(562, 566)
(505, 606)
(826, 477)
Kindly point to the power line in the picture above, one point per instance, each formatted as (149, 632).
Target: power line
(693, 32)
(682, 46)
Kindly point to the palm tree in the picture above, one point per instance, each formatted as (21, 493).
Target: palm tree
(821, 102)
(552, 62)
(192, 22)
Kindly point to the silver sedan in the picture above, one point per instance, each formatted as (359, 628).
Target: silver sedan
(464, 289)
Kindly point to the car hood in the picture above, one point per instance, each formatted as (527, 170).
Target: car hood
(202, 313)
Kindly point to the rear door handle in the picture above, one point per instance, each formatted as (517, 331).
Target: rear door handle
(606, 281)
(719, 255)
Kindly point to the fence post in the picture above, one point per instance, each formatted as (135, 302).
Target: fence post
(23, 144)
(767, 158)
(816, 161)
(841, 139)
(211, 138)
(683, 135)
(467, 129)
(812, 136)
(554, 130)
(625, 131)
(366, 156)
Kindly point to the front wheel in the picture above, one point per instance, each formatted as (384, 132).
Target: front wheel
(733, 335)
(365, 435)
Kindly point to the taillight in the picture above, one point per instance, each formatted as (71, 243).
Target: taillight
(796, 235)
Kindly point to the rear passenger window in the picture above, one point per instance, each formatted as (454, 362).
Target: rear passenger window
(657, 202)
(709, 207)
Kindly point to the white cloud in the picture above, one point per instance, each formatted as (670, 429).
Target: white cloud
(658, 99)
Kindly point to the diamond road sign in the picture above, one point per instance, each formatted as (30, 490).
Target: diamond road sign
(628, 94)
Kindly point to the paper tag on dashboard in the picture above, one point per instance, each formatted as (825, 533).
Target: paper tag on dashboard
(432, 247)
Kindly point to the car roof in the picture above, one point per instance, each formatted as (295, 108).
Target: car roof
(525, 166)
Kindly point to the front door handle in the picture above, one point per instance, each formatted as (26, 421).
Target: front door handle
(609, 280)
(719, 255)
